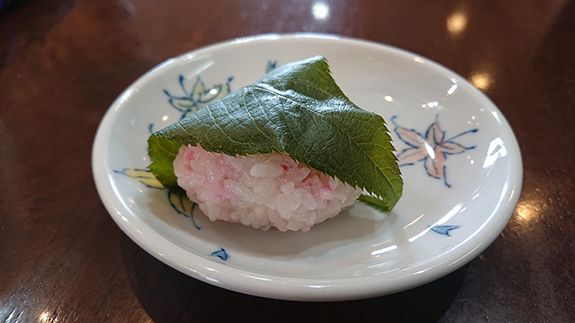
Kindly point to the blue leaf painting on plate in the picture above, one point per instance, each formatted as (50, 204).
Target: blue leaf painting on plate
(222, 254)
(271, 66)
(444, 229)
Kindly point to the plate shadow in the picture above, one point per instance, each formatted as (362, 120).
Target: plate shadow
(169, 296)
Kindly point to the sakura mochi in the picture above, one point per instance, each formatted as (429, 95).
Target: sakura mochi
(287, 151)
(261, 191)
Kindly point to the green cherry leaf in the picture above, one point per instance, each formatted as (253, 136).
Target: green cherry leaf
(299, 110)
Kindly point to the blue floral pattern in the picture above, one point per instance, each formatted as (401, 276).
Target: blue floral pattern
(431, 149)
(196, 98)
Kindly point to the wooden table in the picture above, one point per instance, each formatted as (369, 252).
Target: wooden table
(62, 63)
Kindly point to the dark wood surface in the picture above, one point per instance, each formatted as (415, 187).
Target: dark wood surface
(62, 63)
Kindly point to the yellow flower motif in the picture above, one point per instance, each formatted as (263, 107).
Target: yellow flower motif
(180, 203)
(143, 176)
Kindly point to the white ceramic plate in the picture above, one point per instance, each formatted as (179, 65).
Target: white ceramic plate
(451, 209)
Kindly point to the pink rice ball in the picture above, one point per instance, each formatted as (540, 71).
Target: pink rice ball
(261, 191)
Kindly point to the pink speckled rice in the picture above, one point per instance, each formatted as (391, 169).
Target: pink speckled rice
(260, 191)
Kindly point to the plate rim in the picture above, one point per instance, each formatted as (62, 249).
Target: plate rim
(276, 286)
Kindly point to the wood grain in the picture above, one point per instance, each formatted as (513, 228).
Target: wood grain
(62, 63)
